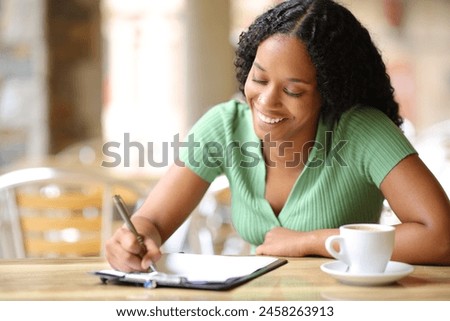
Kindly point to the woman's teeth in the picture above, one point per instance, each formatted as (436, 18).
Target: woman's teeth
(268, 120)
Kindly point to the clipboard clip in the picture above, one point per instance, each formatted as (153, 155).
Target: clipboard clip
(153, 279)
(148, 280)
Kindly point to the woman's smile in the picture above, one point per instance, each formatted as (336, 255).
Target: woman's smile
(267, 119)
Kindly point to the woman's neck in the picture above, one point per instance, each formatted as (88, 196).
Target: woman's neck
(289, 154)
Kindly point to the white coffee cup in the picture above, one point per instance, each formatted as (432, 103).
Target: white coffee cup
(364, 248)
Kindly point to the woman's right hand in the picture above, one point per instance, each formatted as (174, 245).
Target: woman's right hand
(124, 253)
(156, 220)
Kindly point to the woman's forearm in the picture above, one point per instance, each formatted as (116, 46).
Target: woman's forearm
(416, 243)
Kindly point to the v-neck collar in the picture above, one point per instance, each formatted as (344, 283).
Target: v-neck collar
(261, 172)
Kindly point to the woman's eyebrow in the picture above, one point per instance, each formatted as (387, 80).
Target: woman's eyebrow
(257, 65)
(297, 80)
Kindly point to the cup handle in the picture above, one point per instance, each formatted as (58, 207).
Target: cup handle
(330, 241)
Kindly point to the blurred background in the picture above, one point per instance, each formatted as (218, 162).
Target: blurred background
(75, 74)
(79, 71)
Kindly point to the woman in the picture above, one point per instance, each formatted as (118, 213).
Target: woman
(316, 145)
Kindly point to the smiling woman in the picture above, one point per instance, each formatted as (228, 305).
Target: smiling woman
(282, 91)
(320, 107)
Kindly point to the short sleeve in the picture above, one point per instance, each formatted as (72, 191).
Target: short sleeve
(204, 149)
(375, 144)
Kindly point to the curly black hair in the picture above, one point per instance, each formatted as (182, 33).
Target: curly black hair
(350, 69)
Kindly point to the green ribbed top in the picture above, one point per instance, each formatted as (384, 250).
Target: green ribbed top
(339, 184)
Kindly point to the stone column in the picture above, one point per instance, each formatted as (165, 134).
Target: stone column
(209, 56)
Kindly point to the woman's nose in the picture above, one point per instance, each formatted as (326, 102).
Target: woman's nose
(268, 98)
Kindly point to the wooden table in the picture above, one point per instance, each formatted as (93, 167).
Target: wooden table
(300, 279)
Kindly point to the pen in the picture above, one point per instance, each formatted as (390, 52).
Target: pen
(118, 201)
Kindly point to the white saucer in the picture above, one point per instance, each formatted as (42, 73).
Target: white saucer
(394, 272)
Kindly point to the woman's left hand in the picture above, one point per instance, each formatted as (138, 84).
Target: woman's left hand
(281, 241)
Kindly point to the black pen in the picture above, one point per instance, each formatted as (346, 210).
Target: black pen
(121, 207)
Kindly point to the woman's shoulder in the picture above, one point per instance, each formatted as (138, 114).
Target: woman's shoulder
(230, 109)
(222, 119)
(363, 112)
(365, 120)
(226, 116)
(368, 128)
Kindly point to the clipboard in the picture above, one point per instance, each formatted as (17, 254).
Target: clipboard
(196, 271)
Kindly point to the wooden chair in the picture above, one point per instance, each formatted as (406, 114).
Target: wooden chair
(57, 211)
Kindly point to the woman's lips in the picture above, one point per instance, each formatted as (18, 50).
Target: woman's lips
(266, 119)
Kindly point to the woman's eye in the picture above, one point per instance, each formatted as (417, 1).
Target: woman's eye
(259, 81)
(292, 94)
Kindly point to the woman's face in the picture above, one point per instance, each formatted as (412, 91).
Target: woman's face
(281, 90)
